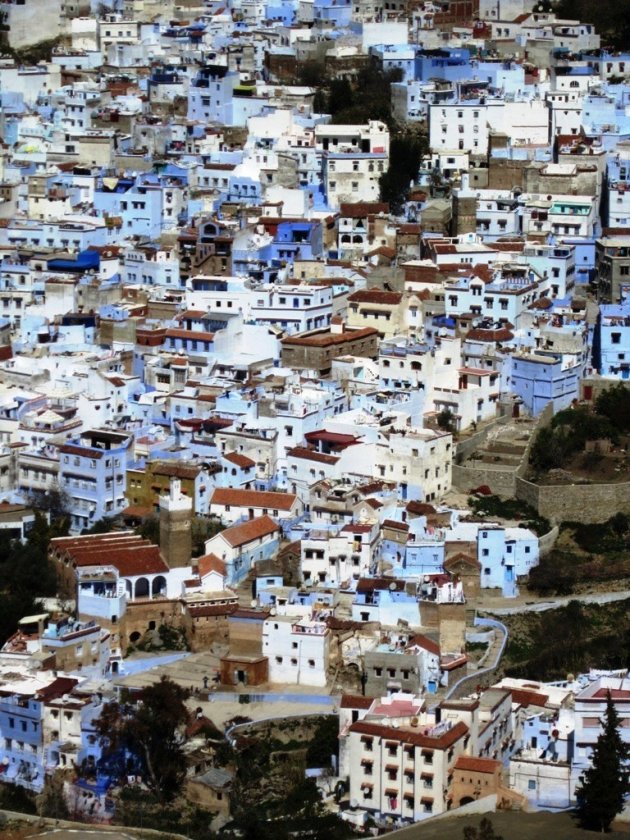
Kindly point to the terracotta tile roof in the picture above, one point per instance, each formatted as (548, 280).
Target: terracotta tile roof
(175, 470)
(477, 765)
(239, 460)
(325, 338)
(513, 245)
(258, 615)
(383, 251)
(425, 642)
(83, 451)
(190, 335)
(375, 296)
(214, 609)
(334, 438)
(238, 535)
(394, 525)
(210, 563)
(96, 542)
(478, 334)
(310, 455)
(360, 209)
(421, 273)
(417, 738)
(57, 688)
(356, 528)
(420, 508)
(541, 303)
(372, 584)
(142, 560)
(461, 557)
(528, 698)
(253, 498)
(138, 511)
(356, 701)
(483, 272)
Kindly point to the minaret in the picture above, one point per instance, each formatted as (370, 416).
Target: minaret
(175, 526)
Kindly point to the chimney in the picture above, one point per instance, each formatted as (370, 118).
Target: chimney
(336, 325)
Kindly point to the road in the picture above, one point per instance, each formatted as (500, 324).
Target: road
(554, 603)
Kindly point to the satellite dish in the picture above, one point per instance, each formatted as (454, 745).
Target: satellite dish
(395, 724)
(272, 611)
(354, 804)
(414, 721)
(392, 586)
(253, 603)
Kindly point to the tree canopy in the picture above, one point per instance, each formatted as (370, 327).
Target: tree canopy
(25, 574)
(405, 156)
(567, 434)
(368, 97)
(605, 783)
(611, 17)
(614, 404)
(144, 735)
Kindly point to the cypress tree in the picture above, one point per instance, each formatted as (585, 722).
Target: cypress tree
(605, 783)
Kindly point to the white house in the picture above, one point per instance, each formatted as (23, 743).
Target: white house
(298, 650)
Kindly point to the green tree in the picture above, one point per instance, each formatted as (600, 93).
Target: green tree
(101, 526)
(146, 734)
(614, 403)
(605, 783)
(25, 575)
(51, 802)
(446, 420)
(406, 152)
(56, 503)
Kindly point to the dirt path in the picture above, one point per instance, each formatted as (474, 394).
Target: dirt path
(554, 603)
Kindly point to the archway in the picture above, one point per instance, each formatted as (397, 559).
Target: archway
(158, 586)
(142, 588)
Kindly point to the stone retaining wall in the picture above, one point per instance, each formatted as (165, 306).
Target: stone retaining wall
(590, 503)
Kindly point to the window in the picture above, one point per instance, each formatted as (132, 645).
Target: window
(531, 784)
